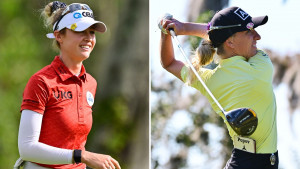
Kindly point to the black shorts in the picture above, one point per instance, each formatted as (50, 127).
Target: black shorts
(244, 160)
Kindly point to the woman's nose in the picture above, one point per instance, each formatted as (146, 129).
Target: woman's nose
(256, 35)
(88, 35)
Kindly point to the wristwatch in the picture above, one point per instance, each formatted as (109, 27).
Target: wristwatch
(77, 156)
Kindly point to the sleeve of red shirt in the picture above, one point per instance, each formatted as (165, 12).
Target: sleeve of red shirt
(35, 95)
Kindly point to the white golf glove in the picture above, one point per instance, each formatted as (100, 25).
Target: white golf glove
(161, 21)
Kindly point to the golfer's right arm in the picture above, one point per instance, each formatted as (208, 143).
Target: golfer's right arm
(167, 58)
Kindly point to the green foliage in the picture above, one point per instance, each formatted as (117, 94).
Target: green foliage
(24, 49)
(111, 129)
(203, 18)
(184, 139)
(20, 55)
(169, 101)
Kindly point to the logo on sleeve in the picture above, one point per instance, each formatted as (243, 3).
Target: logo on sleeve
(242, 14)
(89, 98)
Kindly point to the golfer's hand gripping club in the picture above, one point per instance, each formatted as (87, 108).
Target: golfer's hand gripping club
(242, 120)
(161, 19)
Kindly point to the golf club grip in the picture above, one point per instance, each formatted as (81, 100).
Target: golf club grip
(173, 34)
(194, 70)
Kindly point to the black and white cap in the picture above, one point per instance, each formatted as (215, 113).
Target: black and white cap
(229, 21)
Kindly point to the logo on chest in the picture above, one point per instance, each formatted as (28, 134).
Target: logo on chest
(61, 94)
(89, 98)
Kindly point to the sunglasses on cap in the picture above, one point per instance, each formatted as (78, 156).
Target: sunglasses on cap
(210, 28)
(75, 7)
(71, 8)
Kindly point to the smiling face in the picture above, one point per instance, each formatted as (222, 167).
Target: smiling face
(77, 46)
(244, 43)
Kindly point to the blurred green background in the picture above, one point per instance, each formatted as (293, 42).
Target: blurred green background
(119, 63)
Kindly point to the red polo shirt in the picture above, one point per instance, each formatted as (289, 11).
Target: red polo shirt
(65, 101)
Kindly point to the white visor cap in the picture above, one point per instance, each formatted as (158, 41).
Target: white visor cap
(78, 21)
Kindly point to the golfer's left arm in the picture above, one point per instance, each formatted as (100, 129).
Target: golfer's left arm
(187, 28)
(31, 149)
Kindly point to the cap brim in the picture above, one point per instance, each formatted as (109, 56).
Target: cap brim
(99, 27)
(260, 20)
(84, 24)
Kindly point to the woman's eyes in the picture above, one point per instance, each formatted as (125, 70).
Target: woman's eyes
(250, 31)
(83, 32)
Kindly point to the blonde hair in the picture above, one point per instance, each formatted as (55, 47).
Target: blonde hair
(50, 16)
(204, 55)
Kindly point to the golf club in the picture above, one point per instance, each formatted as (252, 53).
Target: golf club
(242, 120)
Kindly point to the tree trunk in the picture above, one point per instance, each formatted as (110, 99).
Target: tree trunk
(122, 70)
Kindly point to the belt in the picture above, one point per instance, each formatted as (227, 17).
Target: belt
(268, 158)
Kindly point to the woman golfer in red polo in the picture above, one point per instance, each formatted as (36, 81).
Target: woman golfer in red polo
(57, 101)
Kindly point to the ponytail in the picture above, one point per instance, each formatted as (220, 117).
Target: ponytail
(204, 53)
(203, 56)
(51, 13)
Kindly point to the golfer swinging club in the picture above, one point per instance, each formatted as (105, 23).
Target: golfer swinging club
(243, 78)
(57, 101)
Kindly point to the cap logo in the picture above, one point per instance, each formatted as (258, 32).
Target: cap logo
(73, 26)
(242, 14)
(77, 15)
(88, 14)
(250, 25)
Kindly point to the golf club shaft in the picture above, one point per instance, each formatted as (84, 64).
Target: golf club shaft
(195, 72)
